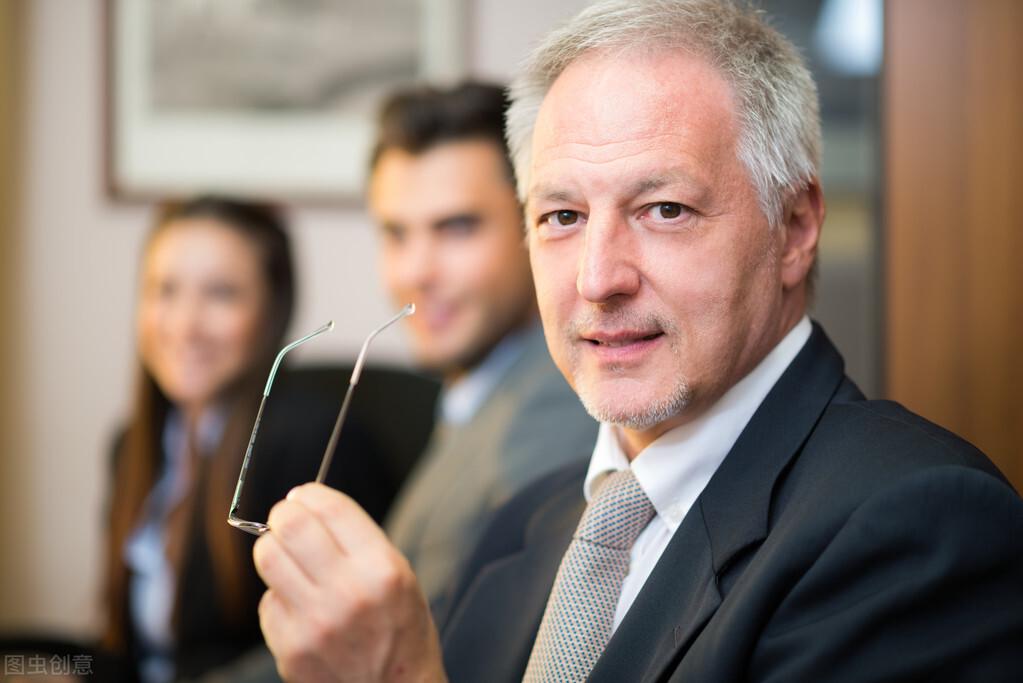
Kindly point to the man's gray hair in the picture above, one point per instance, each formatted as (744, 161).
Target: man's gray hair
(780, 137)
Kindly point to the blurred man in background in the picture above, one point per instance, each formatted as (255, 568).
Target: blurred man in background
(442, 193)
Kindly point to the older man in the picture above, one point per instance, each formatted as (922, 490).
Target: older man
(746, 513)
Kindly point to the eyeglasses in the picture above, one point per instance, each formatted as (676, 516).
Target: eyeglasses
(259, 528)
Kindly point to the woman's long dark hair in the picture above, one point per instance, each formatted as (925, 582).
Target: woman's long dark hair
(140, 456)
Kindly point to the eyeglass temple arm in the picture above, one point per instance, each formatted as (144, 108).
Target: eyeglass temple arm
(326, 327)
(328, 455)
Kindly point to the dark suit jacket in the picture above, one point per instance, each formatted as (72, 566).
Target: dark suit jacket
(840, 540)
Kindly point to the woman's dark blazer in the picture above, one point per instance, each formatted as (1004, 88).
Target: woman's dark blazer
(296, 426)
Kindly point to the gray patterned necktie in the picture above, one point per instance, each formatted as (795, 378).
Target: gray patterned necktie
(580, 610)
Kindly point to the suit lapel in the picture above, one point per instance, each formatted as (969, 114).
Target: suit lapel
(663, 618)
(731, 514)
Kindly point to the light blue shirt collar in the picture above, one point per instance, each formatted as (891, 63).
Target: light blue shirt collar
(463, 398)
(153, 583)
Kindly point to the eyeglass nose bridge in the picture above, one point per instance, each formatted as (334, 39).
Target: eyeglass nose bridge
(260, 528)
(254, 528)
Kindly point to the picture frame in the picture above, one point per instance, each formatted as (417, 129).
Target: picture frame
(267, 98)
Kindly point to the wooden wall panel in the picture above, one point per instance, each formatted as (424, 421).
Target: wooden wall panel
(11, 50)
(953, 145)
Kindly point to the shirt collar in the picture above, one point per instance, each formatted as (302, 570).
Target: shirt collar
(462, 399)
(209, 429)
(174, 480)
(674, 469)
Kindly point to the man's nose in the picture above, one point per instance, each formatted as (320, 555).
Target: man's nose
(607, 264)
(418, 263)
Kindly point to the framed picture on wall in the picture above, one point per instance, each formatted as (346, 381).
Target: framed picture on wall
(273, 98)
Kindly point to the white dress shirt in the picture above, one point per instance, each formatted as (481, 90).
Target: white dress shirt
(674, 469)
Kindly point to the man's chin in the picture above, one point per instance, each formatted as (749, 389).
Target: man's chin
(636, 413)
(453, 360)
(445, 364)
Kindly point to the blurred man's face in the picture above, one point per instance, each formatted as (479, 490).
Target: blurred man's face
(660, 282)
(452, 243)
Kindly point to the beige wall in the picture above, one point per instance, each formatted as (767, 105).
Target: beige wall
(69, 265)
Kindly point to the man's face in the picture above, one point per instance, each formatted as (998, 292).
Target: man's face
(659, 280)
(451, 238)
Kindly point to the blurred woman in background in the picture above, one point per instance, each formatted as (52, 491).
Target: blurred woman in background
(216, 295)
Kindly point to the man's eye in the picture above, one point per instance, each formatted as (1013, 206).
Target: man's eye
(392, 233)
(223, 292)
(462, 225)
(165, 290)
(669, 210)
(563, 218)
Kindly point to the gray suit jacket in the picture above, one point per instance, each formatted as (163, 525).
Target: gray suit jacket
(532, 424)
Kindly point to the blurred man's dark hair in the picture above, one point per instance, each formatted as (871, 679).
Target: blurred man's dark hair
(419, 118)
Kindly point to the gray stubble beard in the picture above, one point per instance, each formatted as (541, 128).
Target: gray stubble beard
(662, 409)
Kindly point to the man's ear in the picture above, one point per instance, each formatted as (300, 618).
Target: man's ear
(804, 217)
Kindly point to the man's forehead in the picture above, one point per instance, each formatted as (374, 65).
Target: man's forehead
(605, 98)
(662, 114)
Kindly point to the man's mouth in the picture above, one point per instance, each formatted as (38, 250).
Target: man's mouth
(616, 340)
(434, 316)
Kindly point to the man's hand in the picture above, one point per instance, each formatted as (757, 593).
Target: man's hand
(343, 603)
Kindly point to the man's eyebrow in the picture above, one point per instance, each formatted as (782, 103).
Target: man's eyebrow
(654, 183)
(549, 193)
(464, 217)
